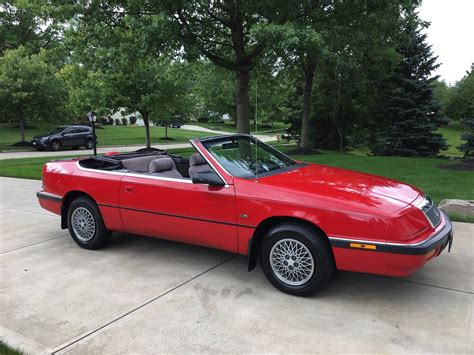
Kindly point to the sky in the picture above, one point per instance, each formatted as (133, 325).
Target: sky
(451, 34)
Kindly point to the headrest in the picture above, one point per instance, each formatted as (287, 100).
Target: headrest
(162, 164)
(197, 159)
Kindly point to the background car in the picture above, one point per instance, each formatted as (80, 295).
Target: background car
(65, 136)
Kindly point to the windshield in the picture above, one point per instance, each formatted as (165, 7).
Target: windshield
(56, 130)
(244, 156)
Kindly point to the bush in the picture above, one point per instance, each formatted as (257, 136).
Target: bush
(203, 119)
(104, 120)
(133, 120)
(110, 121)
(117, 122)
(124, 121)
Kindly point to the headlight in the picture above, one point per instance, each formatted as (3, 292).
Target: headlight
(433, 215)
(44, 139)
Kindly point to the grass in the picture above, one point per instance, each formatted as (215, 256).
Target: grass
(453, 137)
(108, 136)
(8, 350)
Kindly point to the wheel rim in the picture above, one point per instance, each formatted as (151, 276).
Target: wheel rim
(89, 144)
(292, 262)
(56, 146)
(83, 224)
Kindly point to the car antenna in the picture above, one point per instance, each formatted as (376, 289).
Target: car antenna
(256, 126)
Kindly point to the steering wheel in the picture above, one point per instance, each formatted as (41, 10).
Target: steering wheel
(259, 166)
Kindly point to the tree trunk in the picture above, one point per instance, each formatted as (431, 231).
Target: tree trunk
(307, 92)
(166, 130)
(242, 101)
(146, 122)
(341, 138)
(22, 126)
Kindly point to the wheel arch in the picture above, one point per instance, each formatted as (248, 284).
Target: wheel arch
(67, 199)
(267, 224)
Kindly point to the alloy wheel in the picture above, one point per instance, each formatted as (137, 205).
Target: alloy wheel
(292, 262)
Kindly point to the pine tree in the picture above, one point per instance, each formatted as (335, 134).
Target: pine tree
(468, 147)
(410, 107)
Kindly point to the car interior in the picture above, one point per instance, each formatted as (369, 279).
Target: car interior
(160, 164)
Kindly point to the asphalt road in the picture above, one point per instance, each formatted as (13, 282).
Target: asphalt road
(144, 295)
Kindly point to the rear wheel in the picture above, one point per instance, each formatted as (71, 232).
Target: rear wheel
(296, 259)
(86, 225)
(89, 143)
(56, 145)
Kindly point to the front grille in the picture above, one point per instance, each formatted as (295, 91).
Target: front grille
(431, 212)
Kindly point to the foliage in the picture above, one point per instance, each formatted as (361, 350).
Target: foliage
(460, 104)
(410, 107)
(468, 146)
(30, 90)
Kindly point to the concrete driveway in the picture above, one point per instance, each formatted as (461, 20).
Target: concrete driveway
(144, 295)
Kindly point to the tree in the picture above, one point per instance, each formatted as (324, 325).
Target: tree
(460, 103)
(468, 146)
(410, 107)
(29, 88)
(226, 33)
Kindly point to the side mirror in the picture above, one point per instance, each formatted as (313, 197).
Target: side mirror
(207, 177)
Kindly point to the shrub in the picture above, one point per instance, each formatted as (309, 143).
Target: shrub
(203, 119)
(124, 121)
(117, 122)
(110, 121)
(133, 120)
(104, 120)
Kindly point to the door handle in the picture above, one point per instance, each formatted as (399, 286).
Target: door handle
(129, 188)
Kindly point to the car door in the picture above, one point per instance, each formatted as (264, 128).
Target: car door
(81, 135)
(68, 137)
(179, 210)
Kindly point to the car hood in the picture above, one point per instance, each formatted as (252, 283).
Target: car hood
(351, 186)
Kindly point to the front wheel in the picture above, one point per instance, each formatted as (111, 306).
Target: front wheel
(89, 143)
(296, 259)
(56, 145)
(86, 225)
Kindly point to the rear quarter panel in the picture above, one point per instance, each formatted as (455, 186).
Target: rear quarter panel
(64, 177)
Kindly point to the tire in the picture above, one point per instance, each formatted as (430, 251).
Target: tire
(55, 145)
(86, 225)
(313, 249)
(89, 143)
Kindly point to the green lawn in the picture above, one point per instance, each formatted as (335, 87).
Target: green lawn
(453, 136)
(108, 136)
(421, 172)
(5, 349)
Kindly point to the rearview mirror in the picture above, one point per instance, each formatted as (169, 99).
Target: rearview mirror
(207, 177)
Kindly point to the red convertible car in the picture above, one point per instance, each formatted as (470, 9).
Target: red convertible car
(301, 221)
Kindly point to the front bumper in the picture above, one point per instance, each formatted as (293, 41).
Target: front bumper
(40, 144)
(393, 259)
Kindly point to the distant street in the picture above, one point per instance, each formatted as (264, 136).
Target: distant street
(127, 148)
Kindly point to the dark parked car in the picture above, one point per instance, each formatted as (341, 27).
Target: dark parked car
(65, 136)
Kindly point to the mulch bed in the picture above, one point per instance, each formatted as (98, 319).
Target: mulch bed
(22, 144)
(468, 166)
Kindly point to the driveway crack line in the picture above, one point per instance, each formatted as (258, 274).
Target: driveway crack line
(435, 286)
(29, 245)
(140, 306)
